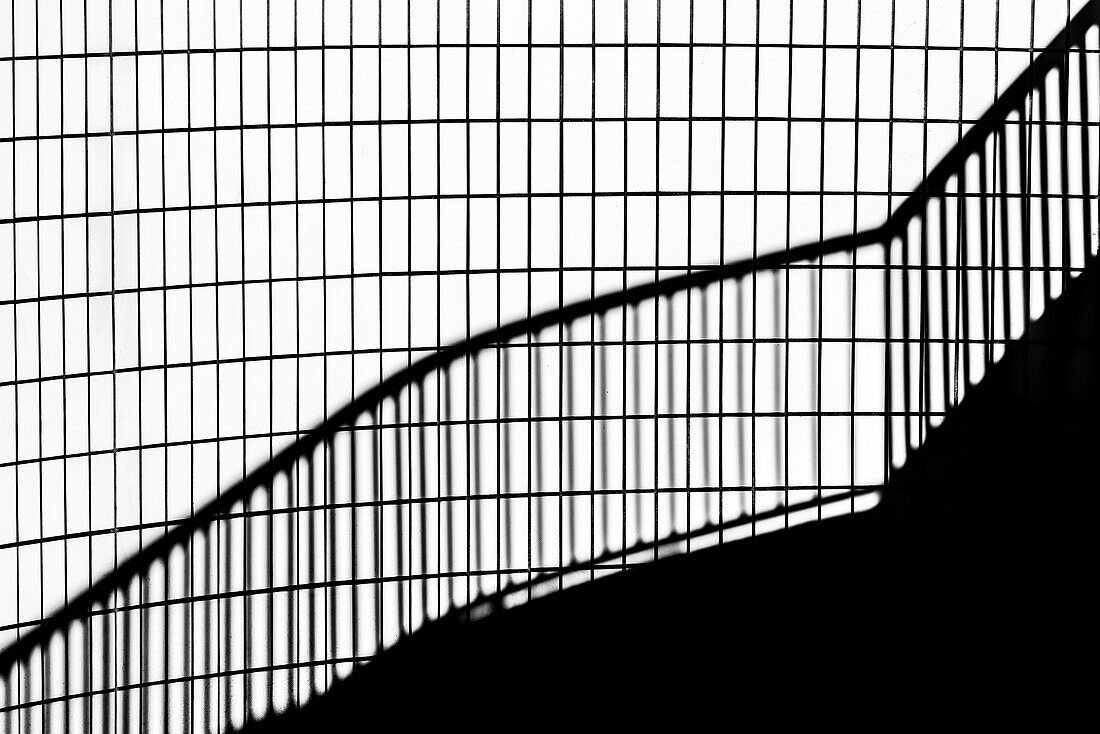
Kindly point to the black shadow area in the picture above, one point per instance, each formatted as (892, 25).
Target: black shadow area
(964, 596)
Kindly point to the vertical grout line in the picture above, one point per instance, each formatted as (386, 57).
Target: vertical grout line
(688, 313)
(380, 493)
(328, 559)
(593, 425)
(356, 425)
(294, 517)
(67, 673)
(657, 310)
(562, 329)
(755, 243)
(18, 675)
(534, 437)
(223, 612)
(1063, 167)
(962, 275)
(271, 376)
(246, 628)
(498, 386)
(722, 292)
(408, 296)
(189, 612)
(818, 284)
(469, 365)
(783, 443)
(44, 653)
(628, 311)
(441, 374)
(888, 248)
(112, 655)
(996, 155)
(142, 635)
(854, 273)
(165, 703)
(328, 490)
(924, 366)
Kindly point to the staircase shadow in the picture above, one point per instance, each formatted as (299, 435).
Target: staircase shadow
(964, 591)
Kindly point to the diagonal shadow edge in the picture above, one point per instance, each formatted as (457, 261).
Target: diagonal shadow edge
(929, 575)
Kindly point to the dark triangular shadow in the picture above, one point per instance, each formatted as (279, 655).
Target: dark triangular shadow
(964, 593)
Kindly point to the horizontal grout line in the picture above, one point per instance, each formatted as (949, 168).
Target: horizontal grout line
(807, 265)
(205, 50)
(958, 342)
(266, 126)
(490, 196)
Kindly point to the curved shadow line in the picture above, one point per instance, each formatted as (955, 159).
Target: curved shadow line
(933, 184)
